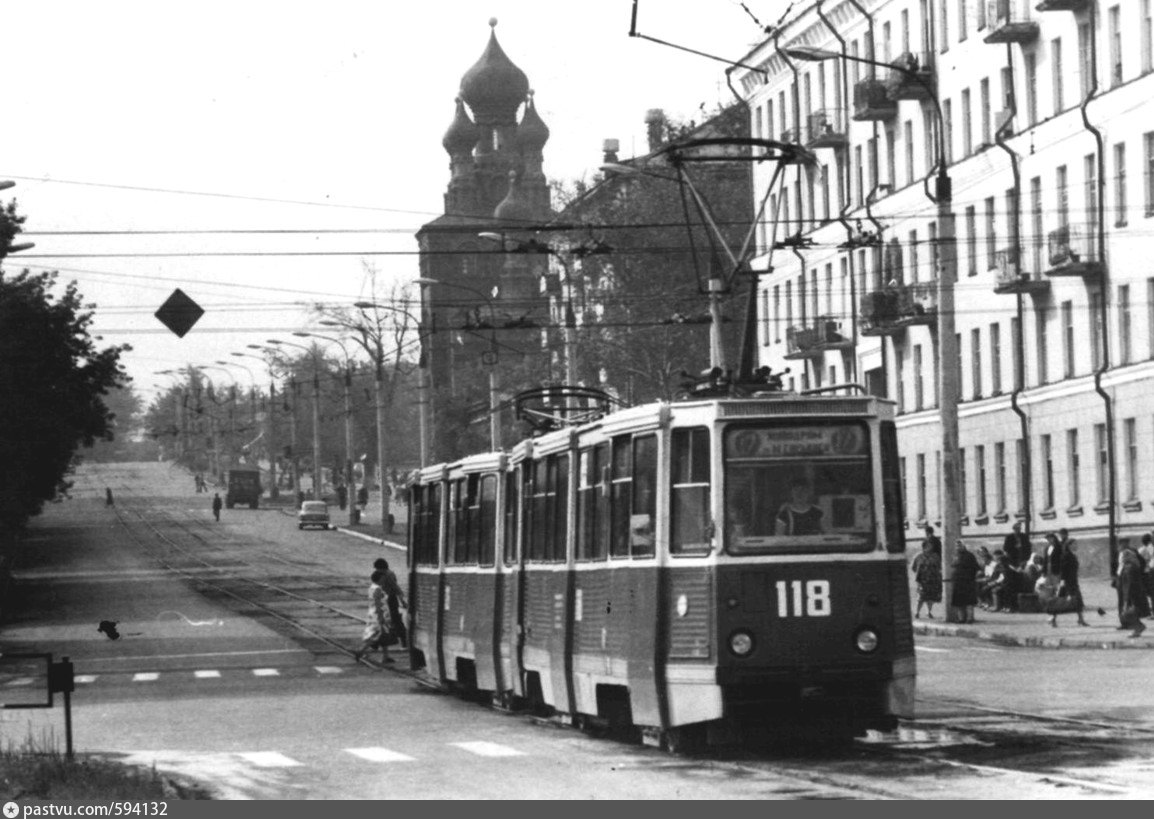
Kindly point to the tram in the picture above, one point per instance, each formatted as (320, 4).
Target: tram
(704, 570)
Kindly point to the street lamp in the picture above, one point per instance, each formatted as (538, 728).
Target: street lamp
(292, 410)
(274, 489)
(490, 361)
(350, 476)
(317, 473)
(948, 369)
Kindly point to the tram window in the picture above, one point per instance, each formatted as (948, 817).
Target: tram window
(892, 489)
(689, 518)
(804, 487)
(428, 517)
(643, 508)
(621, 484)
(593, 504)
(538, 511)
(558, 503)
(456, 542)
(487, 520)
(512, 498)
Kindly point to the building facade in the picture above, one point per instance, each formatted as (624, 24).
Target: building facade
(1046, 111)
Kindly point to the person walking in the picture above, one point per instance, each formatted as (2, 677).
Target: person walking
(1069, 597)
(1132, 602)
(965, 592)
(217, 503)
(927, 569)
(1052, 555)
(376, 633)
(395, 599)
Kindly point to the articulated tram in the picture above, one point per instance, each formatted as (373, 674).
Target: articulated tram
(702, 570)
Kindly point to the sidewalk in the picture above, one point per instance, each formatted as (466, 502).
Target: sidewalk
(1034, 630)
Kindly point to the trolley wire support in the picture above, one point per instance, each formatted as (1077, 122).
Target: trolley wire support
(550, 408)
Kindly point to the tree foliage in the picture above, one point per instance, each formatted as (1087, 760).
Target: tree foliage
(53, 379)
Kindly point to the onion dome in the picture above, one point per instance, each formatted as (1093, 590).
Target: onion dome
(494, 88)
(532, 133)
(462, 134)
(515, 207)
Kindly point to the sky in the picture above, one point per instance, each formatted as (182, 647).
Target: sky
(137, 129)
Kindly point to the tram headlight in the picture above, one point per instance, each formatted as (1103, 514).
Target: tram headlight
(741, 643)
(866, 641)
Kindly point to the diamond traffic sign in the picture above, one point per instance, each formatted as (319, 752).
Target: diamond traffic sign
(179, 313)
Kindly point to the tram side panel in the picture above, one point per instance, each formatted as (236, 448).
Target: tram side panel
(544, 610)
(691, 646)
(424, 600)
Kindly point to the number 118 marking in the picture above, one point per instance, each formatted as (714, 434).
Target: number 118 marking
(808, 599)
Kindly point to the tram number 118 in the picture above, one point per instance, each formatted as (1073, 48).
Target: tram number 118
(803, 599)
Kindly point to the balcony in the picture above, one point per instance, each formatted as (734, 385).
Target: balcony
(1012, 279)
(826, 129)
(1073, 252)
(830, 335)
(911, 78)
(1062, 5)
(890, 311)
(801, 342)
(1009, 23)
(871, 102)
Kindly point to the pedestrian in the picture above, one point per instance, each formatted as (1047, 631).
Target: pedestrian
(216, 505)
(343, 497)
(927, 569)
(1132, 602)
(108, 496)
(377, 633)
(395, 599)
(1069, 592)
(934, 541)
(1146, 552)
(1017, 546)
(965, 574)
(390, 523)
(1052, 556)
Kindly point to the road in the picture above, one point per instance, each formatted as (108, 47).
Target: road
(234, 669)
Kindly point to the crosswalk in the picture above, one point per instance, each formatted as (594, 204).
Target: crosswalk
(206, 674)
(271, 759)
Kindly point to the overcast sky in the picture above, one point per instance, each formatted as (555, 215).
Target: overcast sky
(122, 117)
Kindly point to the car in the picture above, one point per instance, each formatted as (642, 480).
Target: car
(313, 513)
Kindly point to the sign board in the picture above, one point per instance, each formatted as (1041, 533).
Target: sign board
(179, 313)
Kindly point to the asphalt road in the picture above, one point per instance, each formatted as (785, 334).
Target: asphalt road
(206, 686)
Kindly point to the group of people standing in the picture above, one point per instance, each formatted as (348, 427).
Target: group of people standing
(994, 581)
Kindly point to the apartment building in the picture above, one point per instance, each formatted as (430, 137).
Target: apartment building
(1046, 111)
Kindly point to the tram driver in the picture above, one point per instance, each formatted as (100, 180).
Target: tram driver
(799, 515)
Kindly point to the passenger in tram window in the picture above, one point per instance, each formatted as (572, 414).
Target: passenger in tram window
(799, 516)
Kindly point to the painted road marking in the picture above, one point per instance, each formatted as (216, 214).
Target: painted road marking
(379, 755)
(20, 681)
(269, 759)
(205, 654)
(265, 672)
(932, 650)
(483, 748)
(145, 676)
(328, 669)
(85, 678)
(207, 675)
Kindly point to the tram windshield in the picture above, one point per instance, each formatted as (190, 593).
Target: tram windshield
(804, 487)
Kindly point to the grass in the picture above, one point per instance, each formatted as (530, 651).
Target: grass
(38, 770)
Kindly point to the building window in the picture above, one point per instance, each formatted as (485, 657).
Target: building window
(1047, 472)
(1090, 164)
(963, 23)
(913, 246)
(829, 289)
(765, 318)
(919, 390)
(1124, 324)
(1120, 184)
(1040, 326)
(908, 134)
(1036, 222)
(976, 361)
(995, 359)
(846, 301)
(789, 304)
(899, 370)
(967, 124)
(1020, 478)
(1150, 317)
(1102, 463)
(757, 122)
(991, 234)
(929, 130)
(980, 483)
(769, 119)
(1114, 27)
(1148, 143)
(1061, 178)
(1147, 37)
(825, 192)
(1031, 68)
(1130, 438)
(777, 312)
(905, 26)
(1096, 356)
(891, 158)
(1056, 73)
(984, 93)
(859, 178)
(1068, 339)
(1073, 465)
(943, 18)
(1015, 353)
(948, 127)
(999, 477)
(1086, 63)
(921, 486)
(934, 257)
(971, 241)
(962, 505)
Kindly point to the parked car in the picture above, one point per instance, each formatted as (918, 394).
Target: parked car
(313, 513)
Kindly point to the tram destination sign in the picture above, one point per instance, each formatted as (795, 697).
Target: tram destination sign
(797, 441)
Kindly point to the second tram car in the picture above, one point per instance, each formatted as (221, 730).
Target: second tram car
(698, 569)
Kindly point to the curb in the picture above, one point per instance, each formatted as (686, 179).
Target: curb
(1002, 638)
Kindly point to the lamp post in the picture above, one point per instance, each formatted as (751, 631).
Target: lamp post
(491, 363)
(274, 489)
(317, 472)
(350, 476)
(948, 364)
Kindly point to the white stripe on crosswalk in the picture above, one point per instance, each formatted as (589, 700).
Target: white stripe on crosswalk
(483, 748)
(265, 672)
(21, 681)
(328, 669)
(931, 650)
(207, 675)
(269, 759)
(145, 676)
(84, 678)
(379, 755)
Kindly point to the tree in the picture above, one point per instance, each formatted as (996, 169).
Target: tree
(53, 379)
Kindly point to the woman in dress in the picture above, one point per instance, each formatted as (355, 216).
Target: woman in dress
(376, 634)
(927, 569)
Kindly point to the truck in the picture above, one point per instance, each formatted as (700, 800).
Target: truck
(243, 487)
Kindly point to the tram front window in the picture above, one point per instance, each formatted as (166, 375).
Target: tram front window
(798, 488)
